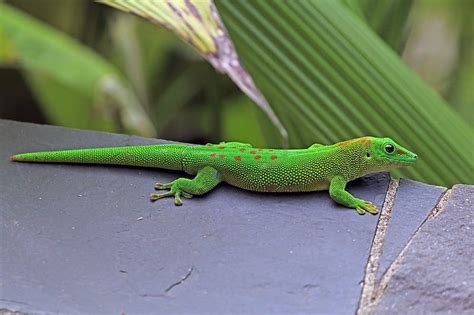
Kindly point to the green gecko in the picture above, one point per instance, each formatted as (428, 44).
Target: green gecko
(319, 167)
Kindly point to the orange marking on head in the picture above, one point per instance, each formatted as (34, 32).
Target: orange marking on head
(221, 156)
(242, 149)
(401, 152)
(365, 140)
(344, 143)
(273, 157)
(238, 158)
(213, 155)
(221, 148)
(253, 152)
(258, 157)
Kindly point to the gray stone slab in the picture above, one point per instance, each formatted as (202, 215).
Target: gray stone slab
(413, 202)
(72, 241)
(437, 271)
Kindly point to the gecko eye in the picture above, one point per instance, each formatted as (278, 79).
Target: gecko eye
(389, 148)
(368, 154)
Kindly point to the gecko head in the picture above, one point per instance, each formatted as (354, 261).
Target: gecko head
(386, 153)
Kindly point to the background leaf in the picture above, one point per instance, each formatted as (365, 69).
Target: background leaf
(196, 23)
(329, 77)
(74, 70)
(388, 19)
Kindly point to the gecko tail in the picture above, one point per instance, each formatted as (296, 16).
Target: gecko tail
(16, 157)
(167, 156)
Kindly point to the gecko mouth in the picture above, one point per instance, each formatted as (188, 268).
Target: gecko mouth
(406, 160)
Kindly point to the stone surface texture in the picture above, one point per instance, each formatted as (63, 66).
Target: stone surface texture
(85, 239)
(413, 203)
(436, 274)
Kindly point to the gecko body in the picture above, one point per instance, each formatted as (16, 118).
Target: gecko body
(319, 167)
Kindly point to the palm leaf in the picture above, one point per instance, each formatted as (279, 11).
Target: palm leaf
(196, 22)
(329, 77)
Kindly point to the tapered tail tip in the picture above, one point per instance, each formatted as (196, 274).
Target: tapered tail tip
(16, 157)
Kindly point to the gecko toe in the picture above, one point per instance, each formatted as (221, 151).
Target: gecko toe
(360, 210)
(371, 208)
(154, 197)
(159, 186)
(172, 193)
(186, 195)
(177, 200)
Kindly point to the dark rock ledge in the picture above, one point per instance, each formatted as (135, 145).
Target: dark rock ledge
(85, 239)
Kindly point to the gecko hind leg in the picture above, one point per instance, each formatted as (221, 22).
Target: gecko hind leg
(206, 179)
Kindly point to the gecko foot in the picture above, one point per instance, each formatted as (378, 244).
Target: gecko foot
(206, 179)
(364, 206)
(174, 191)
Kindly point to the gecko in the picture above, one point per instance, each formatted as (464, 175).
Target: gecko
(318, 167)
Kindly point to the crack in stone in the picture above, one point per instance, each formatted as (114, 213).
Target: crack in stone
(440, 205)
(190, 271)
(162, 295)
(369, 286)
(372, 292)
(387, 276)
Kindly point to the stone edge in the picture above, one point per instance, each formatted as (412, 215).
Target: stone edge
(372, 291)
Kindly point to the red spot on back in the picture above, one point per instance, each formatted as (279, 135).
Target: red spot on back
(242, 150)
(238, 158)
(221, 156)
(401, 152)
(253, 152)
(258, 157)
(213, 155)
(260, 150)
(270, 150)
(221, 148)
(273, 157)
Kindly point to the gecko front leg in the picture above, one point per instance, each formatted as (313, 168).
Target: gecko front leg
(338, 193)
(206, 179)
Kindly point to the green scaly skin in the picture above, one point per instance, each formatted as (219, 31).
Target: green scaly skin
(319, 167)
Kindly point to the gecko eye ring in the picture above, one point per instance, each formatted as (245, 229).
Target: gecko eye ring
(389, 148)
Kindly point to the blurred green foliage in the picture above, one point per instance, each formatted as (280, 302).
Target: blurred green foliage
(331, 78)
(79, 58)
(85, 65)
